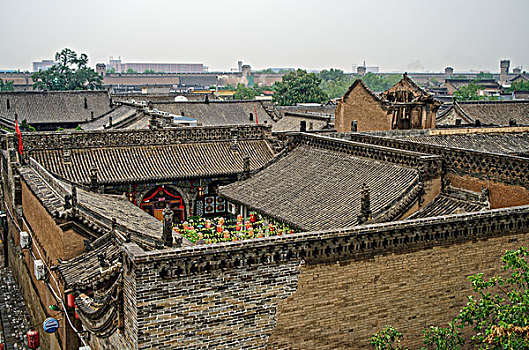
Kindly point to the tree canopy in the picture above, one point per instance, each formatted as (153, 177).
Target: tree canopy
(6, 86)
(378, 83)
(299, 87)
(498, 313)
(522, 85)
(468, 92)
(71, 73)
(334, 82)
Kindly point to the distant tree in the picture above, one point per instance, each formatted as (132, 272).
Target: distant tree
(332, 74)
(111, 70)
(6, 86)
(299, 87)
(468, 92)
(244, 93)
(71, 73)
(484, 76)
(378, 82)
(130, 70)
(498, 313)
(522, 85)
(149, 71)
(265, 71)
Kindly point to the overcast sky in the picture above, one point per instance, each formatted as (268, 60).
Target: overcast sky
(396, 35)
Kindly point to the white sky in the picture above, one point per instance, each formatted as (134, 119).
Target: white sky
(396, 35)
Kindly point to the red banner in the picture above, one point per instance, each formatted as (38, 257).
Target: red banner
(19, 134)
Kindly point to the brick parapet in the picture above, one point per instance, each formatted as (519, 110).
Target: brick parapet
(334, 245)
(124, 138)
(430, 165)
(509, 169)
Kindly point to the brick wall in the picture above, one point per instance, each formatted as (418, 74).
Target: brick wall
(340, 305)
(230, 309)
(501, 195)
(361, 106)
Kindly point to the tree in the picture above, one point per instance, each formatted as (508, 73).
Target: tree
(498, 313)
(111, 70)
(521, 85)
(148, 71)
(334, 82)
(71, 73)
(7, 86)
(332, 74)
(130, 70)
(379, 83)
(299, 87)
(468, 92)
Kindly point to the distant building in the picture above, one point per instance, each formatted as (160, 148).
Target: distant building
(43, 65)
(403, 106)
(365, 69)
(121, 67)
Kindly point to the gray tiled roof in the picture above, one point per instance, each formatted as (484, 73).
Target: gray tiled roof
(120, 114)
(291, 122)
(157, 162)
(84, 269)
(316, 189)
(101, 207)
(491, 112)
(54, 106)
(218, 112)
(504, 143)
(445, 204)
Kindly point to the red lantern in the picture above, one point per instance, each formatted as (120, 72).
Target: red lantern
(1, 346)
(253, 218)
(247, 224)
(238, 227)
(219, 228)
(33, 339)
(76, 314)
(71, 300)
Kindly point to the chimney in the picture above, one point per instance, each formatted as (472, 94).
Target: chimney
(85, 103)
(93, 179)
(109, 121)
(167, 233)
(365, 205)
(302, 126)
(91, 115)
(246, 168)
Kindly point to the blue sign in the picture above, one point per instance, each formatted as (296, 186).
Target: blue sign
(50, 325)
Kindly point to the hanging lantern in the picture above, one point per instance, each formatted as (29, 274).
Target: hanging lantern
(247, 224)
(71, 300)
(33, 339)
(219, 228)
(239, 218)
(253, 218)
(76, 314)
(238, 226)
(226, 235)
(208, 224)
